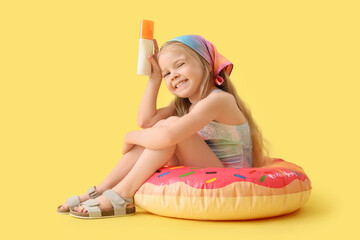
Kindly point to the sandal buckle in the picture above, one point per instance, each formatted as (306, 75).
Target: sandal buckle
(93, 193)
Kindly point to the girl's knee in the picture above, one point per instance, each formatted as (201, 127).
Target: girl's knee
(135, 150)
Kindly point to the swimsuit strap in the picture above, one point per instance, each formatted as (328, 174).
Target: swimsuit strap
(215, 90)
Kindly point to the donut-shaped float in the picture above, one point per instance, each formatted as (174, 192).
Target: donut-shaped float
(276, 188)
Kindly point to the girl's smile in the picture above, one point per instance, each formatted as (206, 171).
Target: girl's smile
(178, 85)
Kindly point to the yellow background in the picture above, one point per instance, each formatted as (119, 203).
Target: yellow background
(69, 92)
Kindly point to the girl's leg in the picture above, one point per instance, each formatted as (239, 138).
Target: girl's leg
(196, 153)
(191, 152)
(121, 169)
(147, 164)
(124, 166)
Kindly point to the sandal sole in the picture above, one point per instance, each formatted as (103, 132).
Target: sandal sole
(105, 214)
(76, 216)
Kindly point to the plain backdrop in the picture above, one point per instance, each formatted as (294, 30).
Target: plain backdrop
(69, 92)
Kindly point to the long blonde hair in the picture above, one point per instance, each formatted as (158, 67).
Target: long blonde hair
(182, 105)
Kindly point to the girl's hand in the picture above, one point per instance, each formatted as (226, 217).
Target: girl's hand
(155, 68)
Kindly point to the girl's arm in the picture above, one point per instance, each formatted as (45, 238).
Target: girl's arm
(159, 137)
(148, 114)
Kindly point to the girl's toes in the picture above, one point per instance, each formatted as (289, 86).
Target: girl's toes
(79, 210)
(65, 206)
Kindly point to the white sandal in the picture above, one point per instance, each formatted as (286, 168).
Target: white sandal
(121, 207)
(74, 201)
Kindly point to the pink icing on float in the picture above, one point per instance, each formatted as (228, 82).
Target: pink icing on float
(276, 188)
(276, 177)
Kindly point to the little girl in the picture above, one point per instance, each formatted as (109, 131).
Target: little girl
(206, 125)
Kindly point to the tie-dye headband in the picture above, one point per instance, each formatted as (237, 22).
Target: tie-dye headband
(208, 51)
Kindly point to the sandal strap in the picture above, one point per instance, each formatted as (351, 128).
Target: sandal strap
(119, 203)
(91, 206)
(73, 202)
(92, 192)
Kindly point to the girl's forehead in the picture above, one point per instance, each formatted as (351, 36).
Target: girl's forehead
(170, 56)
(173, 52)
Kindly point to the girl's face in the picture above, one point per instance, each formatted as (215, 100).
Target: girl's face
(182, 74)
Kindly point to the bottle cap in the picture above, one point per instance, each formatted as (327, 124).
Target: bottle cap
(147, 29)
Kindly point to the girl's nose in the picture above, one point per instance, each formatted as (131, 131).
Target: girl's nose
(174, 76)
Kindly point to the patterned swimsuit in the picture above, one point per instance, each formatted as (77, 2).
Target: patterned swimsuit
(231, 143)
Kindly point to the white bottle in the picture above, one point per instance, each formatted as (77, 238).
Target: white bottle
(146, 45)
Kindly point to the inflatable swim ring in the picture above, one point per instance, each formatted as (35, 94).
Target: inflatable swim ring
(278, 187)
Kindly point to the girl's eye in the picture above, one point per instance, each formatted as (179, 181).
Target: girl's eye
(177, 66)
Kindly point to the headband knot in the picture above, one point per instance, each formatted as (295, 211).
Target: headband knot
(208, 51)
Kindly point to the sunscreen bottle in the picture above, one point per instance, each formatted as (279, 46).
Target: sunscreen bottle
(145, 47)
